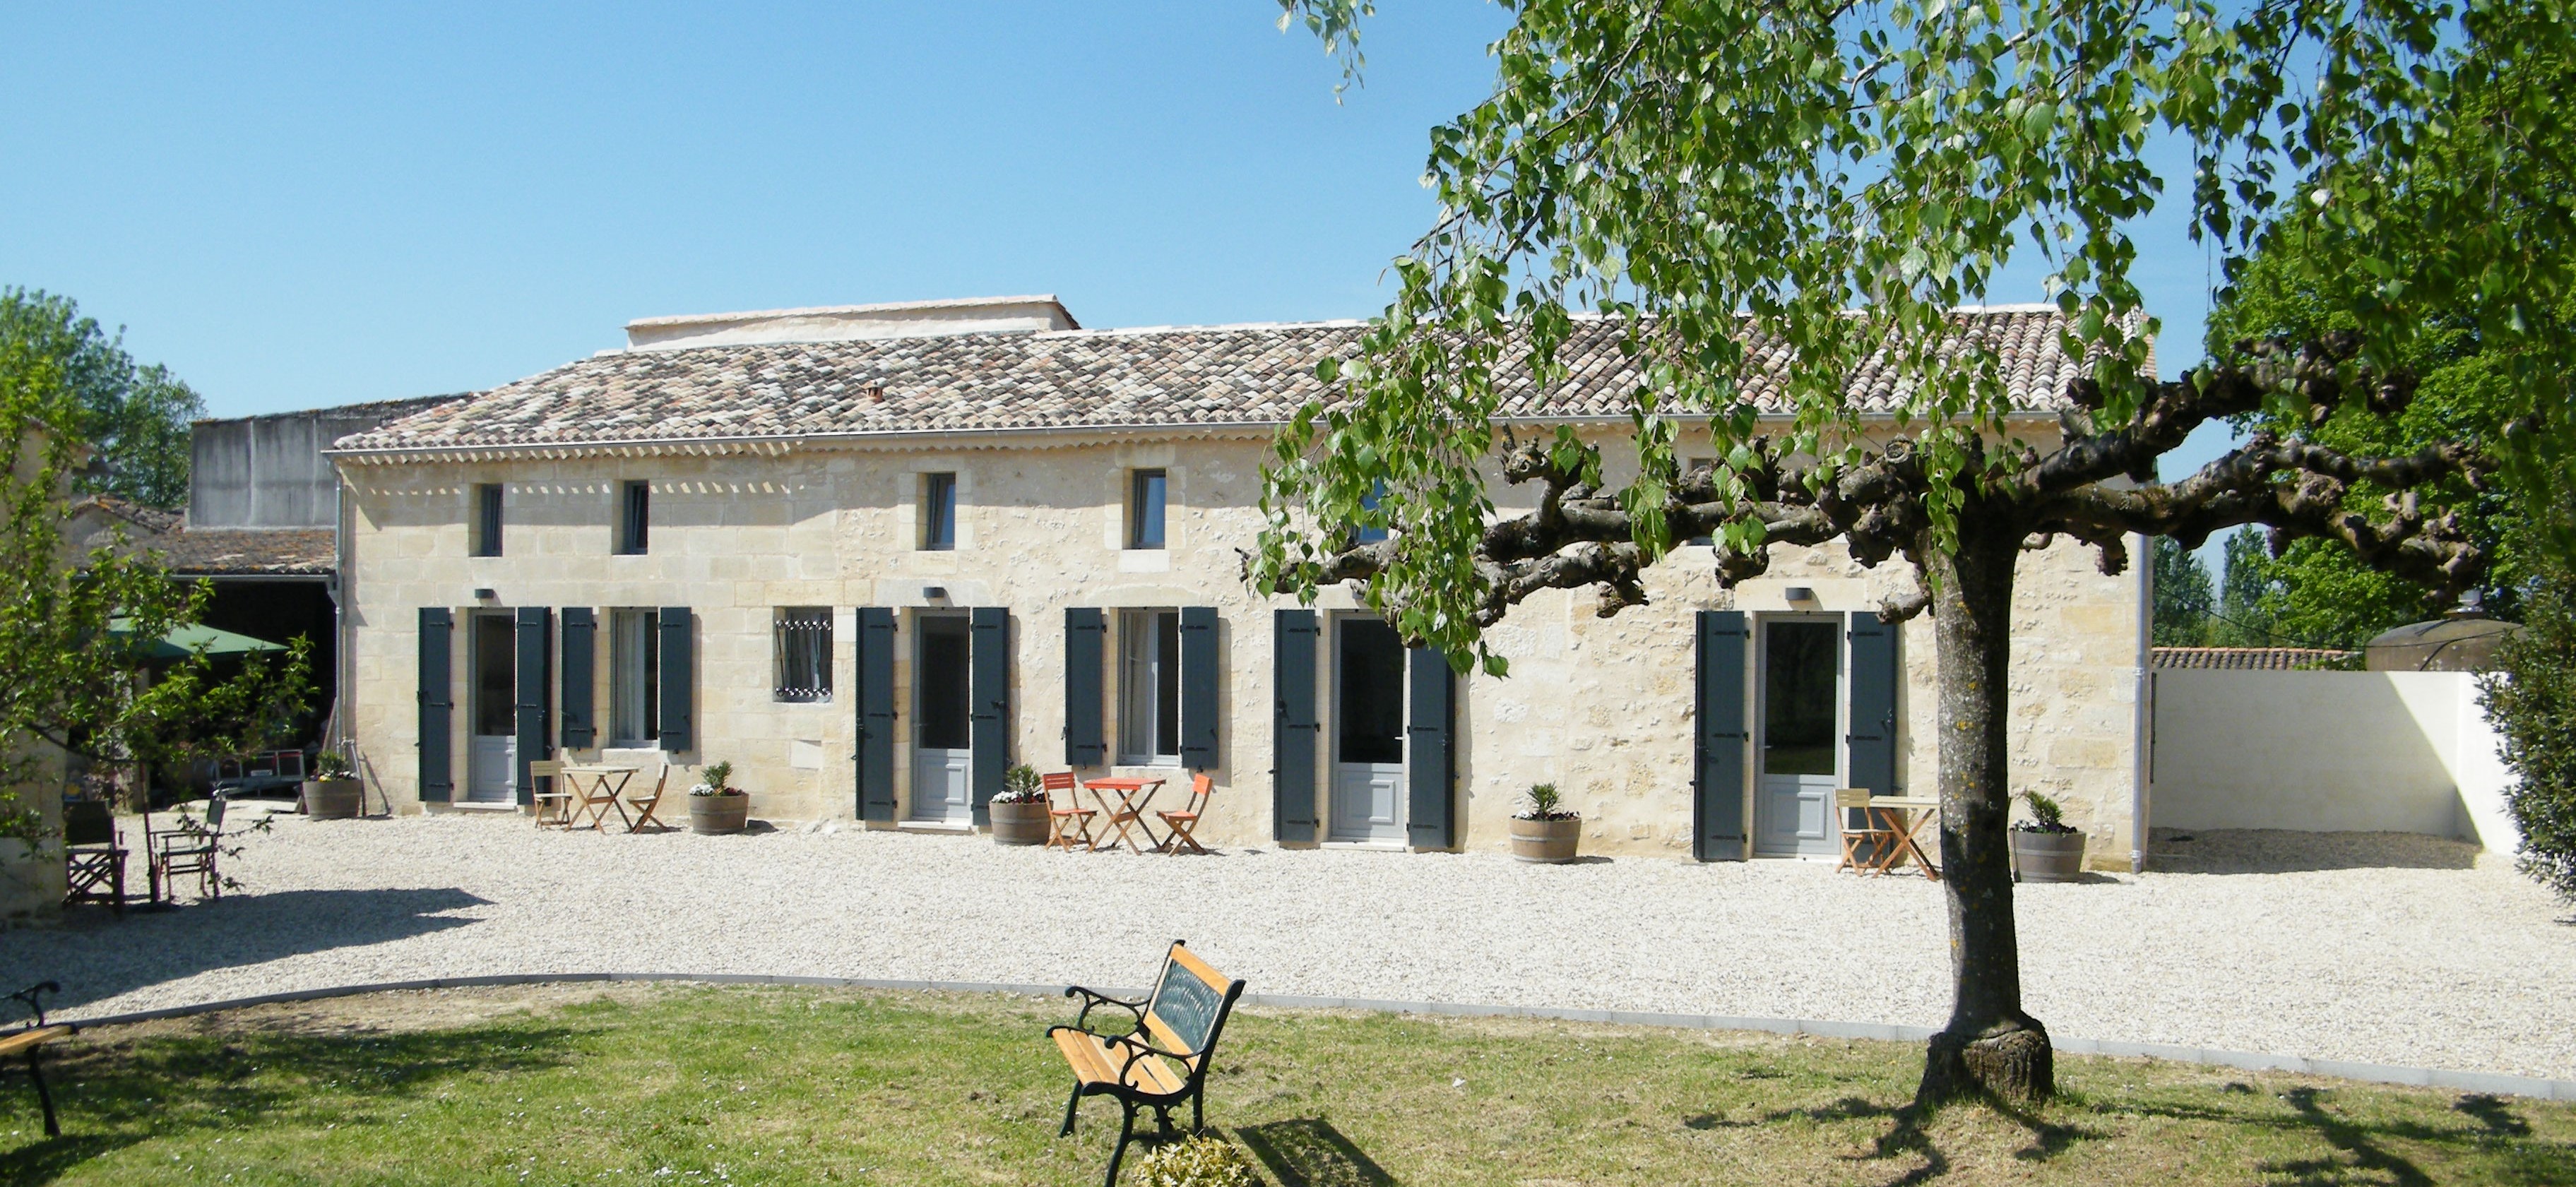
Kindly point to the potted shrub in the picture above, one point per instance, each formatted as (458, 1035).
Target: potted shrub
(2045, 848)
(1544, 831)
(1019, 813)
(333, 791)
(715, 806)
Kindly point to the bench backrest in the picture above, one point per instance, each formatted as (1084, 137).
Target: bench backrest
(1190, 1005)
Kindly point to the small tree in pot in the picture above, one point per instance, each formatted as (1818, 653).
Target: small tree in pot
(2045, 848)
(715, 806)
(333, 793)
(1019, 813)
(1545, 831)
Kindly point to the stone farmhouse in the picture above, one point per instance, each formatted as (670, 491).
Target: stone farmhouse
(871, 555)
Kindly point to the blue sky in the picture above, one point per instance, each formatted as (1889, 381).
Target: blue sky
(296, 206)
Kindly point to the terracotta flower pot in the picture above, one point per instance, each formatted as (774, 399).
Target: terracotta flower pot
(331, 799)
(2047, 857)
(1019, 824)
(1551, 842)
(712, 814)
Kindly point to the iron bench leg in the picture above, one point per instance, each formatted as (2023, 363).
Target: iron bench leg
(36, 1072)
(1126, 1132)
(1069, 1103)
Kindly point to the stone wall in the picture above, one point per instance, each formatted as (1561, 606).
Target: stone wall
(1602, 708)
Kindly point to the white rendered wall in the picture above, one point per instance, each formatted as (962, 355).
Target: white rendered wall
(2329, 752)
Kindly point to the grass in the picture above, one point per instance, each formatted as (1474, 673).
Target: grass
(646, 1085)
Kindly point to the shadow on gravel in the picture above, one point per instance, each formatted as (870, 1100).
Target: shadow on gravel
(2275, 851)
(117, 1095)
(98, 956)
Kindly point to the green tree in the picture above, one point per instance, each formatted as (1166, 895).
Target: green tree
(1832, 180)
(135, 417)
(78, 633)
(2182, 596)
(2532, 700)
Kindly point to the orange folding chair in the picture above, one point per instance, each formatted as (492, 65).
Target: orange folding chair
(1067, 821)
(1186, 817)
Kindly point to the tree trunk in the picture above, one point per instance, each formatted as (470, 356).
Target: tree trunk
(1989, 1044)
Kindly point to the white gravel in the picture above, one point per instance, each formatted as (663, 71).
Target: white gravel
(2370, 947)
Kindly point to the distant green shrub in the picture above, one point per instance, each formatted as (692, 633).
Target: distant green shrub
(2532, 702)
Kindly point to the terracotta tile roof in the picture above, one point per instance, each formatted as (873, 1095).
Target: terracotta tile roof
(2252, 659)
(1207, 376)
(247, 551)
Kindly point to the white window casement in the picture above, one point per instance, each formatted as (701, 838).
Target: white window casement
(634, 678)
(1145, 503)
(938, 512)
(1149, 688)
(802, 650)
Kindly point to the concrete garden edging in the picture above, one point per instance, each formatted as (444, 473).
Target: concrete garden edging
(2375, 1073)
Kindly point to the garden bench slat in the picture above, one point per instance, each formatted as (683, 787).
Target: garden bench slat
(28, 1039)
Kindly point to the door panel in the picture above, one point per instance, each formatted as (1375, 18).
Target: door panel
(1798, 755)
(492, 710)
(1369, 787)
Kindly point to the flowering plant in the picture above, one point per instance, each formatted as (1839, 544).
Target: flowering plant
(1020, 785)
(713, 780)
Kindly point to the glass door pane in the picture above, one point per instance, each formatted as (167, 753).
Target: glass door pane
(1799, 684)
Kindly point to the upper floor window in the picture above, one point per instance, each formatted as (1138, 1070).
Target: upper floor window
(634, 517)
(939, 512)
(802, 645)
(1145, 509)
(487, 519)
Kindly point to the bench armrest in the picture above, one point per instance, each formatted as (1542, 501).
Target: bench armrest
(30, 995)
(1093, 998)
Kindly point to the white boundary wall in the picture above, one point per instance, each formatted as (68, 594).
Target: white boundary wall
(2406, 752)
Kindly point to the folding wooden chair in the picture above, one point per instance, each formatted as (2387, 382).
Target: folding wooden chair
(1872, 832)
(1068, 821)
(190, 849)
(93, 855)
(1186, 817)
(645, 804)
(554, 804)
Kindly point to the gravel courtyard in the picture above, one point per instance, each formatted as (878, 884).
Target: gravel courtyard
(2378, 948)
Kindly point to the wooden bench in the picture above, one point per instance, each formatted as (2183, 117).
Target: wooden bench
(30, 1040)
(1161, 1057)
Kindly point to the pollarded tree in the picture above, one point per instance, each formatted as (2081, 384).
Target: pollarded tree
(1828, 182)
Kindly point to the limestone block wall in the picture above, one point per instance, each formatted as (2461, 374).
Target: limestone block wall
(1601, 707)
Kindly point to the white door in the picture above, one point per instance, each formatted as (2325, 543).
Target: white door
(1799, 749)
(492, 751)
(1368, 732)
(942, 757)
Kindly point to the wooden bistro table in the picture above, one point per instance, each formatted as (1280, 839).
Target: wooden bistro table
(595, 789)
(1133, 796)
(1905, 815)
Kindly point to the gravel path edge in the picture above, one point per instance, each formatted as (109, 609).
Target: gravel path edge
(2376, 1073)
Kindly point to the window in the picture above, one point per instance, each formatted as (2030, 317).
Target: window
(1149, 687)
(487, 519)
(1145, 509)
(635, 678)
(938, 512)
(634, 516)
(803, 648)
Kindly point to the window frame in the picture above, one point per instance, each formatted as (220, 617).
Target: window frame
(1149, 687)
(939, 511)
(1148, 521)
(634, 678)
(484, 525)
(801, 635)
(634, 517)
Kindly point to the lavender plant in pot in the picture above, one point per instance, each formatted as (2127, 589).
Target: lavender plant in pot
(715, 806)
(2045, 848)
(333, 791)
(1019, 813)
(1544, 830)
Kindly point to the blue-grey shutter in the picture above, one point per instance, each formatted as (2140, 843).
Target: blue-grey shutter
(437, 705)
(535, 632)
(876, 714)
(1431, 816)
(989, 713)
(573, 697)
(678, 659)
(1086, 643)
(1873, 704)
(1717, 802)
(1293, 725)
(1198, 687)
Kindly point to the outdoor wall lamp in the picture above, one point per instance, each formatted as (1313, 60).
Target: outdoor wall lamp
(934, 593)
(485, 595)
(1801, 593)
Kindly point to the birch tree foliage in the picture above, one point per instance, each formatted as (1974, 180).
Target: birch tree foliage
(1832, 180)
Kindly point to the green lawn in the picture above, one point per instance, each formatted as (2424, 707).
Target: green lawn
(650, 1085)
